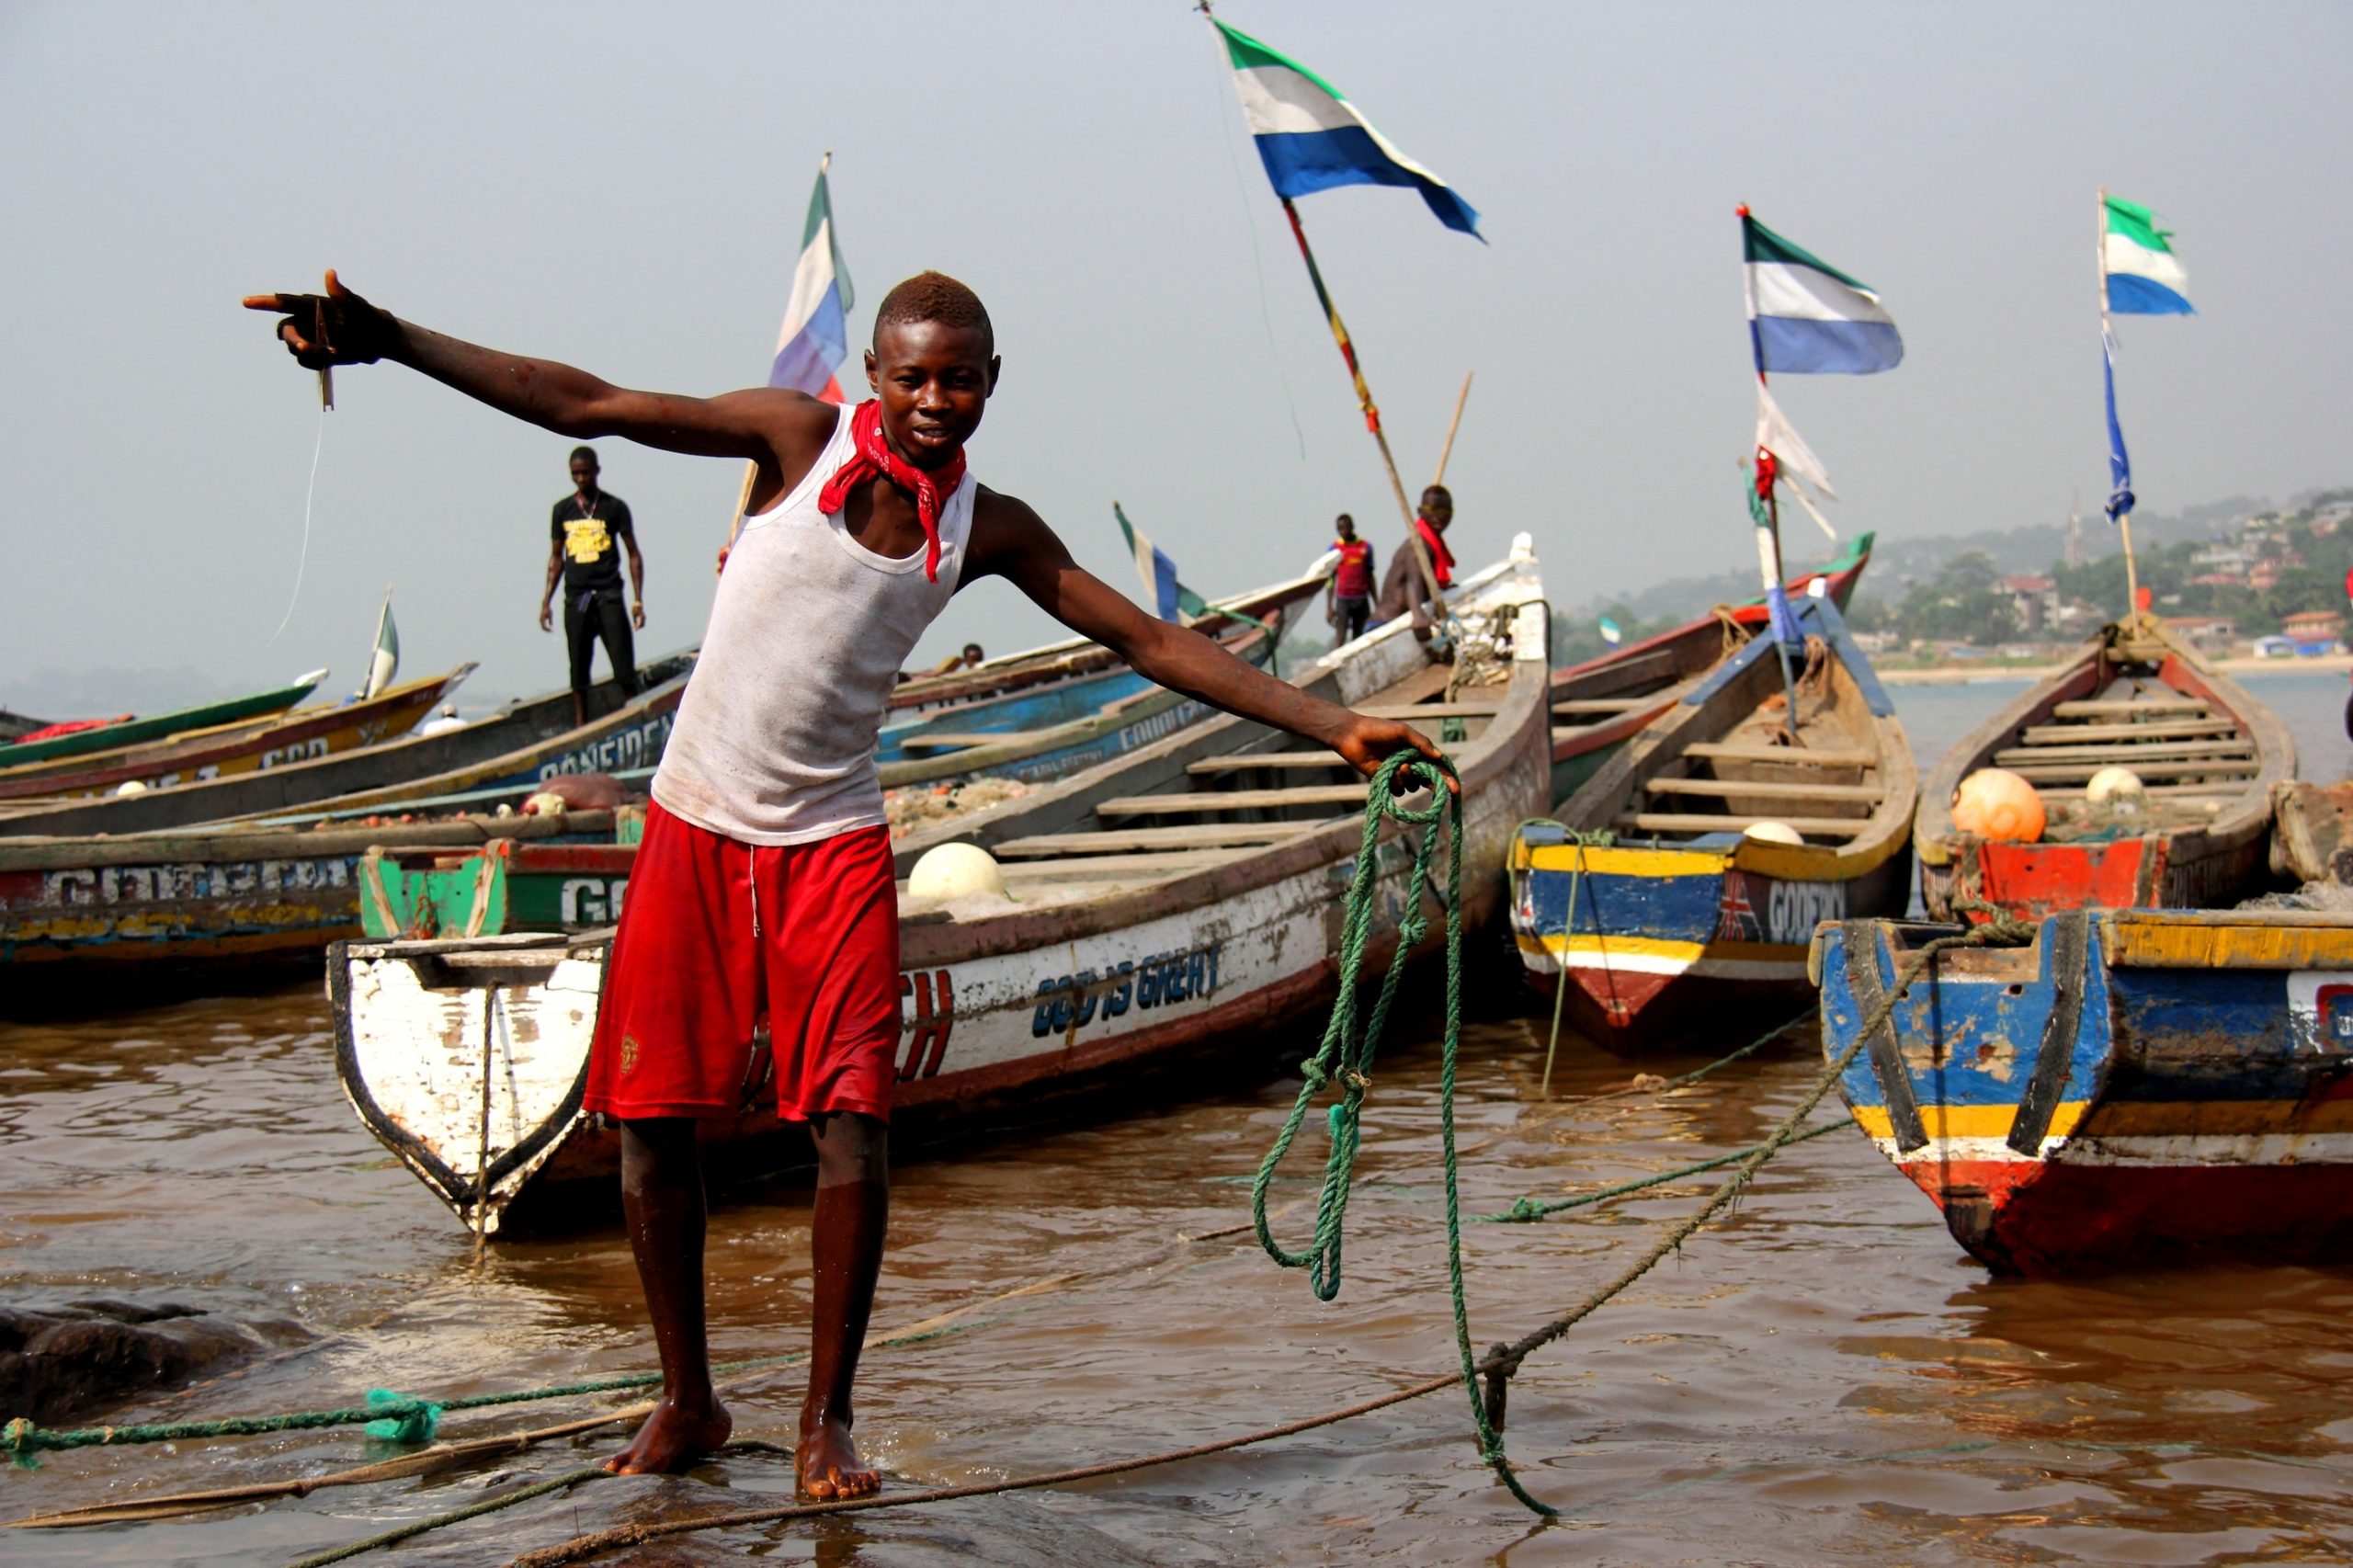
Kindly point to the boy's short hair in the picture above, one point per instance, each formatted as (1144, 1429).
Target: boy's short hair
(935, 297)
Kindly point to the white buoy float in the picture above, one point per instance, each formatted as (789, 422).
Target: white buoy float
(953, 871)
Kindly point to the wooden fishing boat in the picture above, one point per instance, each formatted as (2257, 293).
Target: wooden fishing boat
(2311, 832)
(1043, 728)
(509, 752)
(1169, 910)
(2138, 1086)
(132, 731)
(72, 908)
(15, 726)
(2207, 752)
(511, 884)
(1056, 662)
(296, 735)
(1651, 888)
(1599, 705)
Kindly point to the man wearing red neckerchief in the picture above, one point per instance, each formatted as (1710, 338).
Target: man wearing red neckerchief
(1405, 588)
(860, 523)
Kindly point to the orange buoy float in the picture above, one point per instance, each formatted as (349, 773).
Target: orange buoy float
(1996, 804)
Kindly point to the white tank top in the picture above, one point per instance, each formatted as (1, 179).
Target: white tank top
(775, 738)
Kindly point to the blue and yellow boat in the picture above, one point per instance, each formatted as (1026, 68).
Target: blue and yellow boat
(1676, 889)
(2138, 1086)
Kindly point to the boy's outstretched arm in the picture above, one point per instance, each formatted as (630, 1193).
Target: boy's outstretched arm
(1011, 541)
(781, 430)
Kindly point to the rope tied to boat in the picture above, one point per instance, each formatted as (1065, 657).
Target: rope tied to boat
(1346, 1054)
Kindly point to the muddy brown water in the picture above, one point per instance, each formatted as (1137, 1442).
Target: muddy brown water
(1821, 1377)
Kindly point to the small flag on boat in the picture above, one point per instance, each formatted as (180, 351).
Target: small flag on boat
(1311, 138)
(1169, 598)
(2143, 279)
(2120, 461)
(1778, 438)
(1611, 632)
(1784, 617)
(816, 337)
(1805, 317)
(386, 661)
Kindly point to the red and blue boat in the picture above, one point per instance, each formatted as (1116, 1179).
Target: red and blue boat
(2137, 1086)
(1681, 883)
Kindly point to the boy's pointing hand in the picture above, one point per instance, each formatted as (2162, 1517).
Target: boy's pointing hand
(337, 327)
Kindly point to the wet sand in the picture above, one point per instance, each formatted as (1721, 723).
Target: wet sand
(1823, 1378)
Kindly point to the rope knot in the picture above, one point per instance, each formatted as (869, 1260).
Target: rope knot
(21, 1439)
(1523, 1208)
(1355, 1081)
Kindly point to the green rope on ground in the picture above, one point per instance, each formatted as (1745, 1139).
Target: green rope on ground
(1346, 1056)
(1526, 1209)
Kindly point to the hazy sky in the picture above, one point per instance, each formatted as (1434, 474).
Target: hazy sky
(622, 186)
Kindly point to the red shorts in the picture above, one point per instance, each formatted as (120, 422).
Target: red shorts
(714, 934)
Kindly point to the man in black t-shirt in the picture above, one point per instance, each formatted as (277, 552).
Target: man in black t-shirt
(588, 531)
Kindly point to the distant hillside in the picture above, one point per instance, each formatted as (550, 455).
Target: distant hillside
(2033, 547)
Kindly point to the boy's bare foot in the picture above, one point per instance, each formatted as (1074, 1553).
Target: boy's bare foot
(826, 1465)
(673, 1439)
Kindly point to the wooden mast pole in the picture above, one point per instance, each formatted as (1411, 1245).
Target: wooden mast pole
(2108, 349)
(1372, 415)
(1775, 572)
(1453, 425)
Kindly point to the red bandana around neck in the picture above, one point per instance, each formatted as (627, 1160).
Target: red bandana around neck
(1441, 558)
(874, 457)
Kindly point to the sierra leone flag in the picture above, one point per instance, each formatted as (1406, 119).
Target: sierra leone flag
(386, 662)
(1807, 317)
(1311, 138)
(2143, 279)
(1169, 598)
(815, 335)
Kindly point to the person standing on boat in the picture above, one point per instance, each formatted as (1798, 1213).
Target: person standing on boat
(588, 533)
(1348, 604)
(764, 878)
(1406, 589)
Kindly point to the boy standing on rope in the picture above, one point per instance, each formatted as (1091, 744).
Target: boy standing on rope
(764, 880)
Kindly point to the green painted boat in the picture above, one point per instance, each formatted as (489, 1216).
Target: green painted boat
(132, 732)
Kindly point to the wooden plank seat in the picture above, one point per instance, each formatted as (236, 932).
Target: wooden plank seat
(1739, 751)
(2081, 772)
(1164, 863)
(1857, 794)
(2101, 708)
(2155, 791)
(2113, 751)
(2184, 729)
(1232, 800)
(1242, 762)
(1431, 710)
(937, 742)
(1608, 704)
(1695, 823)
(1188, 836)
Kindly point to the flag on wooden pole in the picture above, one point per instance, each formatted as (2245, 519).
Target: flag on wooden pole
(814, 339)
(1169, 598)
(386, 662)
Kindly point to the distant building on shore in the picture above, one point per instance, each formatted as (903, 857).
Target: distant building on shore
(2214, 632)
(2034, 599)
(2313, 626)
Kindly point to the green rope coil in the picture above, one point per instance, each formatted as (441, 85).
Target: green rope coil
(1346, 1057)
(404, 1420)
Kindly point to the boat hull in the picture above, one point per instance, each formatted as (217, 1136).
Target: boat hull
(1032, 1012)
(1647, 942)
(76, 908)
(2136, 1088)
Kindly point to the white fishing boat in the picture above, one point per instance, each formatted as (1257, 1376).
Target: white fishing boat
(1166, 910)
